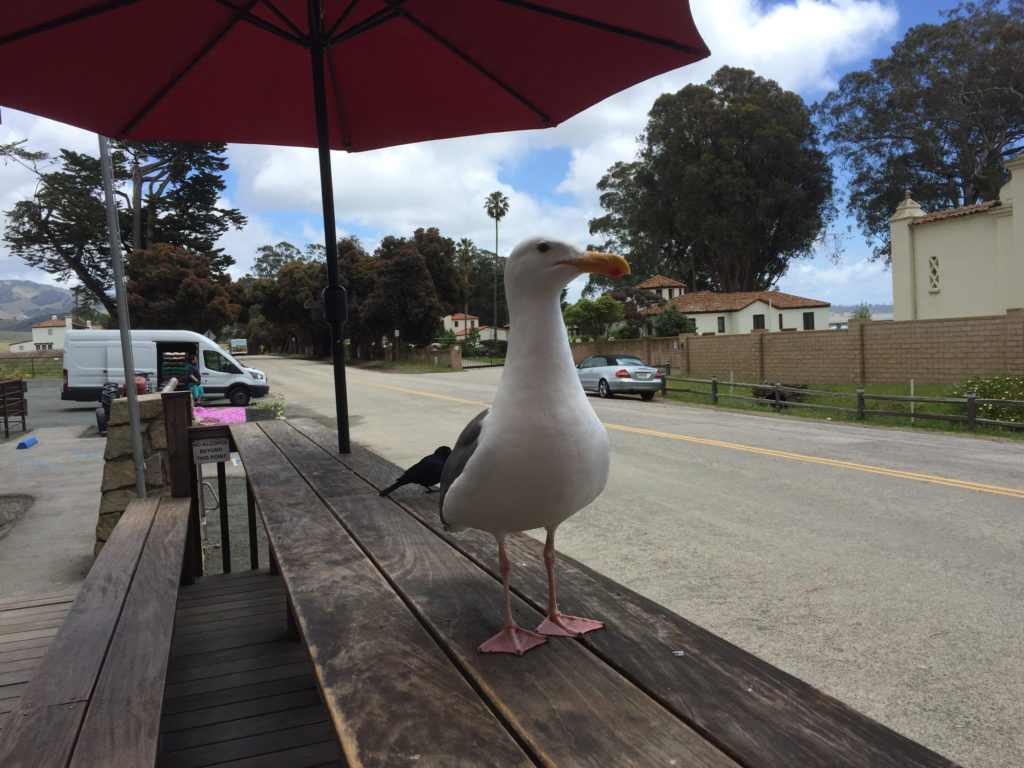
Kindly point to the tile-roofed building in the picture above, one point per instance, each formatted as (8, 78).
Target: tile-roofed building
(48, 334)
(746, 311)
(961, 262)
(665, 287)
(460, 322)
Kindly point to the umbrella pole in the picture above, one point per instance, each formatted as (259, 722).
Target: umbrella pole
(127, 358)
(335, 303)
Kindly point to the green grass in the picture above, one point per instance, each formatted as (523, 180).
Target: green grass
(905, 419)
(32, 368)
(486, 360)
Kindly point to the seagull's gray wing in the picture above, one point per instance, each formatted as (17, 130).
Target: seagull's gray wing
(464, 448)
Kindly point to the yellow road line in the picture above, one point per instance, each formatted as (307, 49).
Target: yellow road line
(899, 473)
(426, 394)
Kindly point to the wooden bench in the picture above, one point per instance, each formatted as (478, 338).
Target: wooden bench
(96, 696)
(392, 609)
(13, 407)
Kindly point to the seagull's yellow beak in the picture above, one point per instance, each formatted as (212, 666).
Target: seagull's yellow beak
(609, 264)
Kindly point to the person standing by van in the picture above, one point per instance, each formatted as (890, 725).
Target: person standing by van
(195, 383)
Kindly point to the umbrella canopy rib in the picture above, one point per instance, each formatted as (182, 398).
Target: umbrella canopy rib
(346, 139)
(284, 19)
(71, 18)
(613, 28)
(478, 67)
(341, 19)
(256, 21)
(177, 78)
(370, 22)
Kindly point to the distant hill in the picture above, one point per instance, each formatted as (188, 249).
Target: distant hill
(22, 301)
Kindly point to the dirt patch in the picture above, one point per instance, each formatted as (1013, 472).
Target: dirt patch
(11, 509)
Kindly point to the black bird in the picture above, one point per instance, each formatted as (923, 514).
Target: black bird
(425, 472)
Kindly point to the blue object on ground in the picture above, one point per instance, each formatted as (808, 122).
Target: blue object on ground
(27, 443)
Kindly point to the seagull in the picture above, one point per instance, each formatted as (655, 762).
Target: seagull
(539, 454)
(425, 472)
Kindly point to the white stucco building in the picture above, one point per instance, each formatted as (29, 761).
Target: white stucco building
(48, 334)
(963, 262)
(748, 311)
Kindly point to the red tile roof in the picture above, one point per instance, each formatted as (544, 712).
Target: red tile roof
(707, 301)
(53, 322)
(955, 213)
(660, 281)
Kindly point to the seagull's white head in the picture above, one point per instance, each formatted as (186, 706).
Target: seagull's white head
(540, 263)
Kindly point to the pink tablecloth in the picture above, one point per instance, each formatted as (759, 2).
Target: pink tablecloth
(218, 415)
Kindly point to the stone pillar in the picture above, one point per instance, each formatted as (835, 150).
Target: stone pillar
(118, 488)
(904, 259)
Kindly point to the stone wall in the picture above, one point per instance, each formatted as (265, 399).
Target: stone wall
(941, 351)
(118, 487)
(451, 357)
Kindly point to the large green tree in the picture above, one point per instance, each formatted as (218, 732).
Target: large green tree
(404, 297)
(170, 287)
(439, 254)
(590, 320)
(729, 186)
(936, 117)
(172, 197)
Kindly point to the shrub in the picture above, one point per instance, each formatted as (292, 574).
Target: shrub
(995, 388)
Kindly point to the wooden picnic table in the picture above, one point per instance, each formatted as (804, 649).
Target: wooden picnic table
(392, 610)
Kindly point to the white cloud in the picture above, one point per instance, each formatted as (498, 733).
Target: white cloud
(804, 44)
(849, 282)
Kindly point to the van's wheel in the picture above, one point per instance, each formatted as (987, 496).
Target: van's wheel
(101, 420)
(239, 397)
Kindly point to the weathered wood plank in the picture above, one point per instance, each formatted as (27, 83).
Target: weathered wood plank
(756, 712)
(376, 664)
(43, 730)
(560, 699)
(137, 663)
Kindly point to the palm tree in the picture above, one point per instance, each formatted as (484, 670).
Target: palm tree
(496, 206)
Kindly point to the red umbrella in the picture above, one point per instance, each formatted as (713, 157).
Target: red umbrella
(331, 74)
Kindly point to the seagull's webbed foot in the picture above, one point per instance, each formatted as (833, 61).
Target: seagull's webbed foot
(512, 639)
(560, 625)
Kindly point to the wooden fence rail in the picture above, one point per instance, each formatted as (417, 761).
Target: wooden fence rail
(778, 396)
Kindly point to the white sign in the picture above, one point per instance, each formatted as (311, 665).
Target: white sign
(211, 450)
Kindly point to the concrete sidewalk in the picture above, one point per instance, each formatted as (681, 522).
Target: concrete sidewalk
(49, 549)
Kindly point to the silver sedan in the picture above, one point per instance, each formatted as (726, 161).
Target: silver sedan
(619, 375)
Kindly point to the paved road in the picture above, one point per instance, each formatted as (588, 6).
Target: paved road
(884, 567)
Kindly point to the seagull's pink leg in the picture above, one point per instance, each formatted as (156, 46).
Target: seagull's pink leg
(512, 638)
(557, 623)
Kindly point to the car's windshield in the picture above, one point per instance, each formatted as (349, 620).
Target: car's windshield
(622, 360)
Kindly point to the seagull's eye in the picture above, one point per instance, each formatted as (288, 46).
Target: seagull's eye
(543, 247)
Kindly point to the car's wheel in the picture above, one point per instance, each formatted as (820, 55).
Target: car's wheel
(239, 397)
(646, 395)
(602, 389)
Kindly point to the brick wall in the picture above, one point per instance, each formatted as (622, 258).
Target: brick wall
(940, 351)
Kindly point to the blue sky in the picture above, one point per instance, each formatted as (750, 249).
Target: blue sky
(549, 176)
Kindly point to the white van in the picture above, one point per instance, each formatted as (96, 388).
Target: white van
(93, 358)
